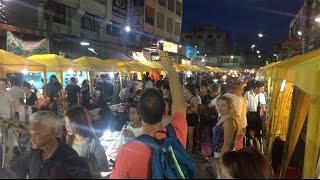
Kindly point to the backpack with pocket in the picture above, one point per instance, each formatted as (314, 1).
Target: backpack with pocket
(169, 159)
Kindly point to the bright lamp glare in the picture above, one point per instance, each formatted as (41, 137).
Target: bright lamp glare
(317, 19)
(127, 28)
(24, 71)
(111, 75)
(85, 44)
(299, 33)
(70, 71)
(283, 85)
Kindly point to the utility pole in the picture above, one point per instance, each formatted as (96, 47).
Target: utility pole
(50, 13)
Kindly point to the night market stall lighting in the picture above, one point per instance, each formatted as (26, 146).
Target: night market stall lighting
(83, 43)
(24, 71)
(283, 85)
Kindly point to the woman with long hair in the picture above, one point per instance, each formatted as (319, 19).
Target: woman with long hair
(193, 102)
(225, 131)
(82, 139)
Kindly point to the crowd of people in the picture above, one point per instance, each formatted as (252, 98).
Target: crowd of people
(216, 115)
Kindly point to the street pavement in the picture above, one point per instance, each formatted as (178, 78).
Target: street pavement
(204, 170)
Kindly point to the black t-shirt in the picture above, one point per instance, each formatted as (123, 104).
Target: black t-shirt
(63, 164)
(52, 89)
(72, 92)
(31, 101)
(86, 93)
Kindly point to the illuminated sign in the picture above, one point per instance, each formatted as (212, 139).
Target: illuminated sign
(170, 47)
(191, 52)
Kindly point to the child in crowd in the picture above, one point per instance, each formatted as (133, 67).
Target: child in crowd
(134, 128)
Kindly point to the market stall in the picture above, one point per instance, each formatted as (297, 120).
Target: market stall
(62, 67)
(297, 81)
(155, 68)
(12, 64)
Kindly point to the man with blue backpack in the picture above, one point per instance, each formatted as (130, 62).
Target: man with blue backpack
(160, 152)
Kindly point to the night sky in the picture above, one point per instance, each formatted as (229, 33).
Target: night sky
(243, 19)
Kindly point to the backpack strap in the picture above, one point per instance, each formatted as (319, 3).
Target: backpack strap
(149, 141)
(170, 131)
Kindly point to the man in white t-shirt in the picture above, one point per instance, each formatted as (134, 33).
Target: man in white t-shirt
(235, 92)
(256, 105)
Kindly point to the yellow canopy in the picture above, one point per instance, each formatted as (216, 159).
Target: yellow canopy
(116, 65)
(94, 64)
(214, 69)
(306, 76)
(190, 67)
(137, 66)
(304, 73)
(13, 63)
(55, 63)
(151, 64)
(202, 68)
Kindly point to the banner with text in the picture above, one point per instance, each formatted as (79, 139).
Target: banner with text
(26, 48)
(120, 8)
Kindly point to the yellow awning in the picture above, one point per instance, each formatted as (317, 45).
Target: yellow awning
(214, 69)
(151, 64)
(55, 63)
(202, 68)
(137, 66)
(94, 64)
(117, 65)
(13, 63)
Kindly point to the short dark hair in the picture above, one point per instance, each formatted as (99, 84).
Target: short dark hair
(243, 164)
(27, 85)
(204, 83)
(72, 79)
(215, 87)
(133, 104)
(151, 106)
(258, 84)
(166, 86)
(191, 88)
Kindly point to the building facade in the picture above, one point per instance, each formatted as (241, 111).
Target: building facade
(209, 40)
(100, 22)
(225, 61)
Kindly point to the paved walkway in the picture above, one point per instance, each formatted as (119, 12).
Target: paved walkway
(204, 170)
